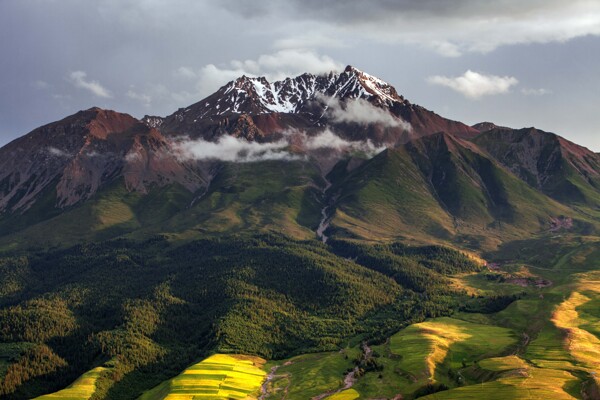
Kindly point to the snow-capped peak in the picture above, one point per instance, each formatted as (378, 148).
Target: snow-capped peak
(374, 86)
(257, 95)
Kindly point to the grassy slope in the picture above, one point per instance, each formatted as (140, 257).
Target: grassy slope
(113, 211)
(463, 198)
(426, 352)
(542, 346)
(560, 179)
(387, 197)
(264, 196)
(268, 196)
(432, 192)
(561, 355)
(309, 375)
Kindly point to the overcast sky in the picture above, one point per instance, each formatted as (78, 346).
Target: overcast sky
(517, 63)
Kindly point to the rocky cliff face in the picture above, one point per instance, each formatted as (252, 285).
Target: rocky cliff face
(77, 155)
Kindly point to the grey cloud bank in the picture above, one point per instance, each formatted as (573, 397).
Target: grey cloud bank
(152, 57)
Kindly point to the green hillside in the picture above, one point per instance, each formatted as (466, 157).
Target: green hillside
(439, 189)
(561, 169)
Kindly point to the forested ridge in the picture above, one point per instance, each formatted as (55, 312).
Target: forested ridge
(148, 309)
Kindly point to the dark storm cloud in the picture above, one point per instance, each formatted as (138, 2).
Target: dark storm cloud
(450, 27)
(351, 11)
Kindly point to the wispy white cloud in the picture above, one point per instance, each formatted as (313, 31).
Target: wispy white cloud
(535, 92)
(78, 79)
(133, 157)
(56, 152)
(185, 73)
(451, 28)
(274, 66)
(41, 85)
(329, 140)
(143, 98)
(230, 148)
(475, 85)
(309, 40)
(233, 149)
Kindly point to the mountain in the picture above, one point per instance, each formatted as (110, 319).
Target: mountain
(561, 169)
(257, 109)
(486, 126)
(83, 152)
(312, 172)
(439, 188)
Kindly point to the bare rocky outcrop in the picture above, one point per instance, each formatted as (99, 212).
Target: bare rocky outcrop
(76, 156)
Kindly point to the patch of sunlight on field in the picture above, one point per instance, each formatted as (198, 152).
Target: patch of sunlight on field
(581, 344)
(499, 364)
(110, 212)
(589, 281)
(219, 377)
(82, 389)
(425, 345)
(349, 394)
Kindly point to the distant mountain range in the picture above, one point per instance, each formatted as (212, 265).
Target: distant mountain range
(330, 155)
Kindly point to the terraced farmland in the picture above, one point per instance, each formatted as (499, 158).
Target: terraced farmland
(219, 377)
(349, 394)
(82, 389)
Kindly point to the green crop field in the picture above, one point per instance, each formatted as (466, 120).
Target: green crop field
(219, 376)
(426, 345)
(310, 375)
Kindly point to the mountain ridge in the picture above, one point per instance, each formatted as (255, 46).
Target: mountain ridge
(303, 101)
(474, 184)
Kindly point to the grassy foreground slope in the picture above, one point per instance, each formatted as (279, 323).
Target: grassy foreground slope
(82, 389)
(395, 319)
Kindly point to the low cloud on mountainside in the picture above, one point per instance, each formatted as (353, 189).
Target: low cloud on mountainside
(233, 149)
(230, 148)
(360, 111)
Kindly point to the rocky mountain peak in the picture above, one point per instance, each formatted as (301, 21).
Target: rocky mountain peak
(356, 83)
(258, 95)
